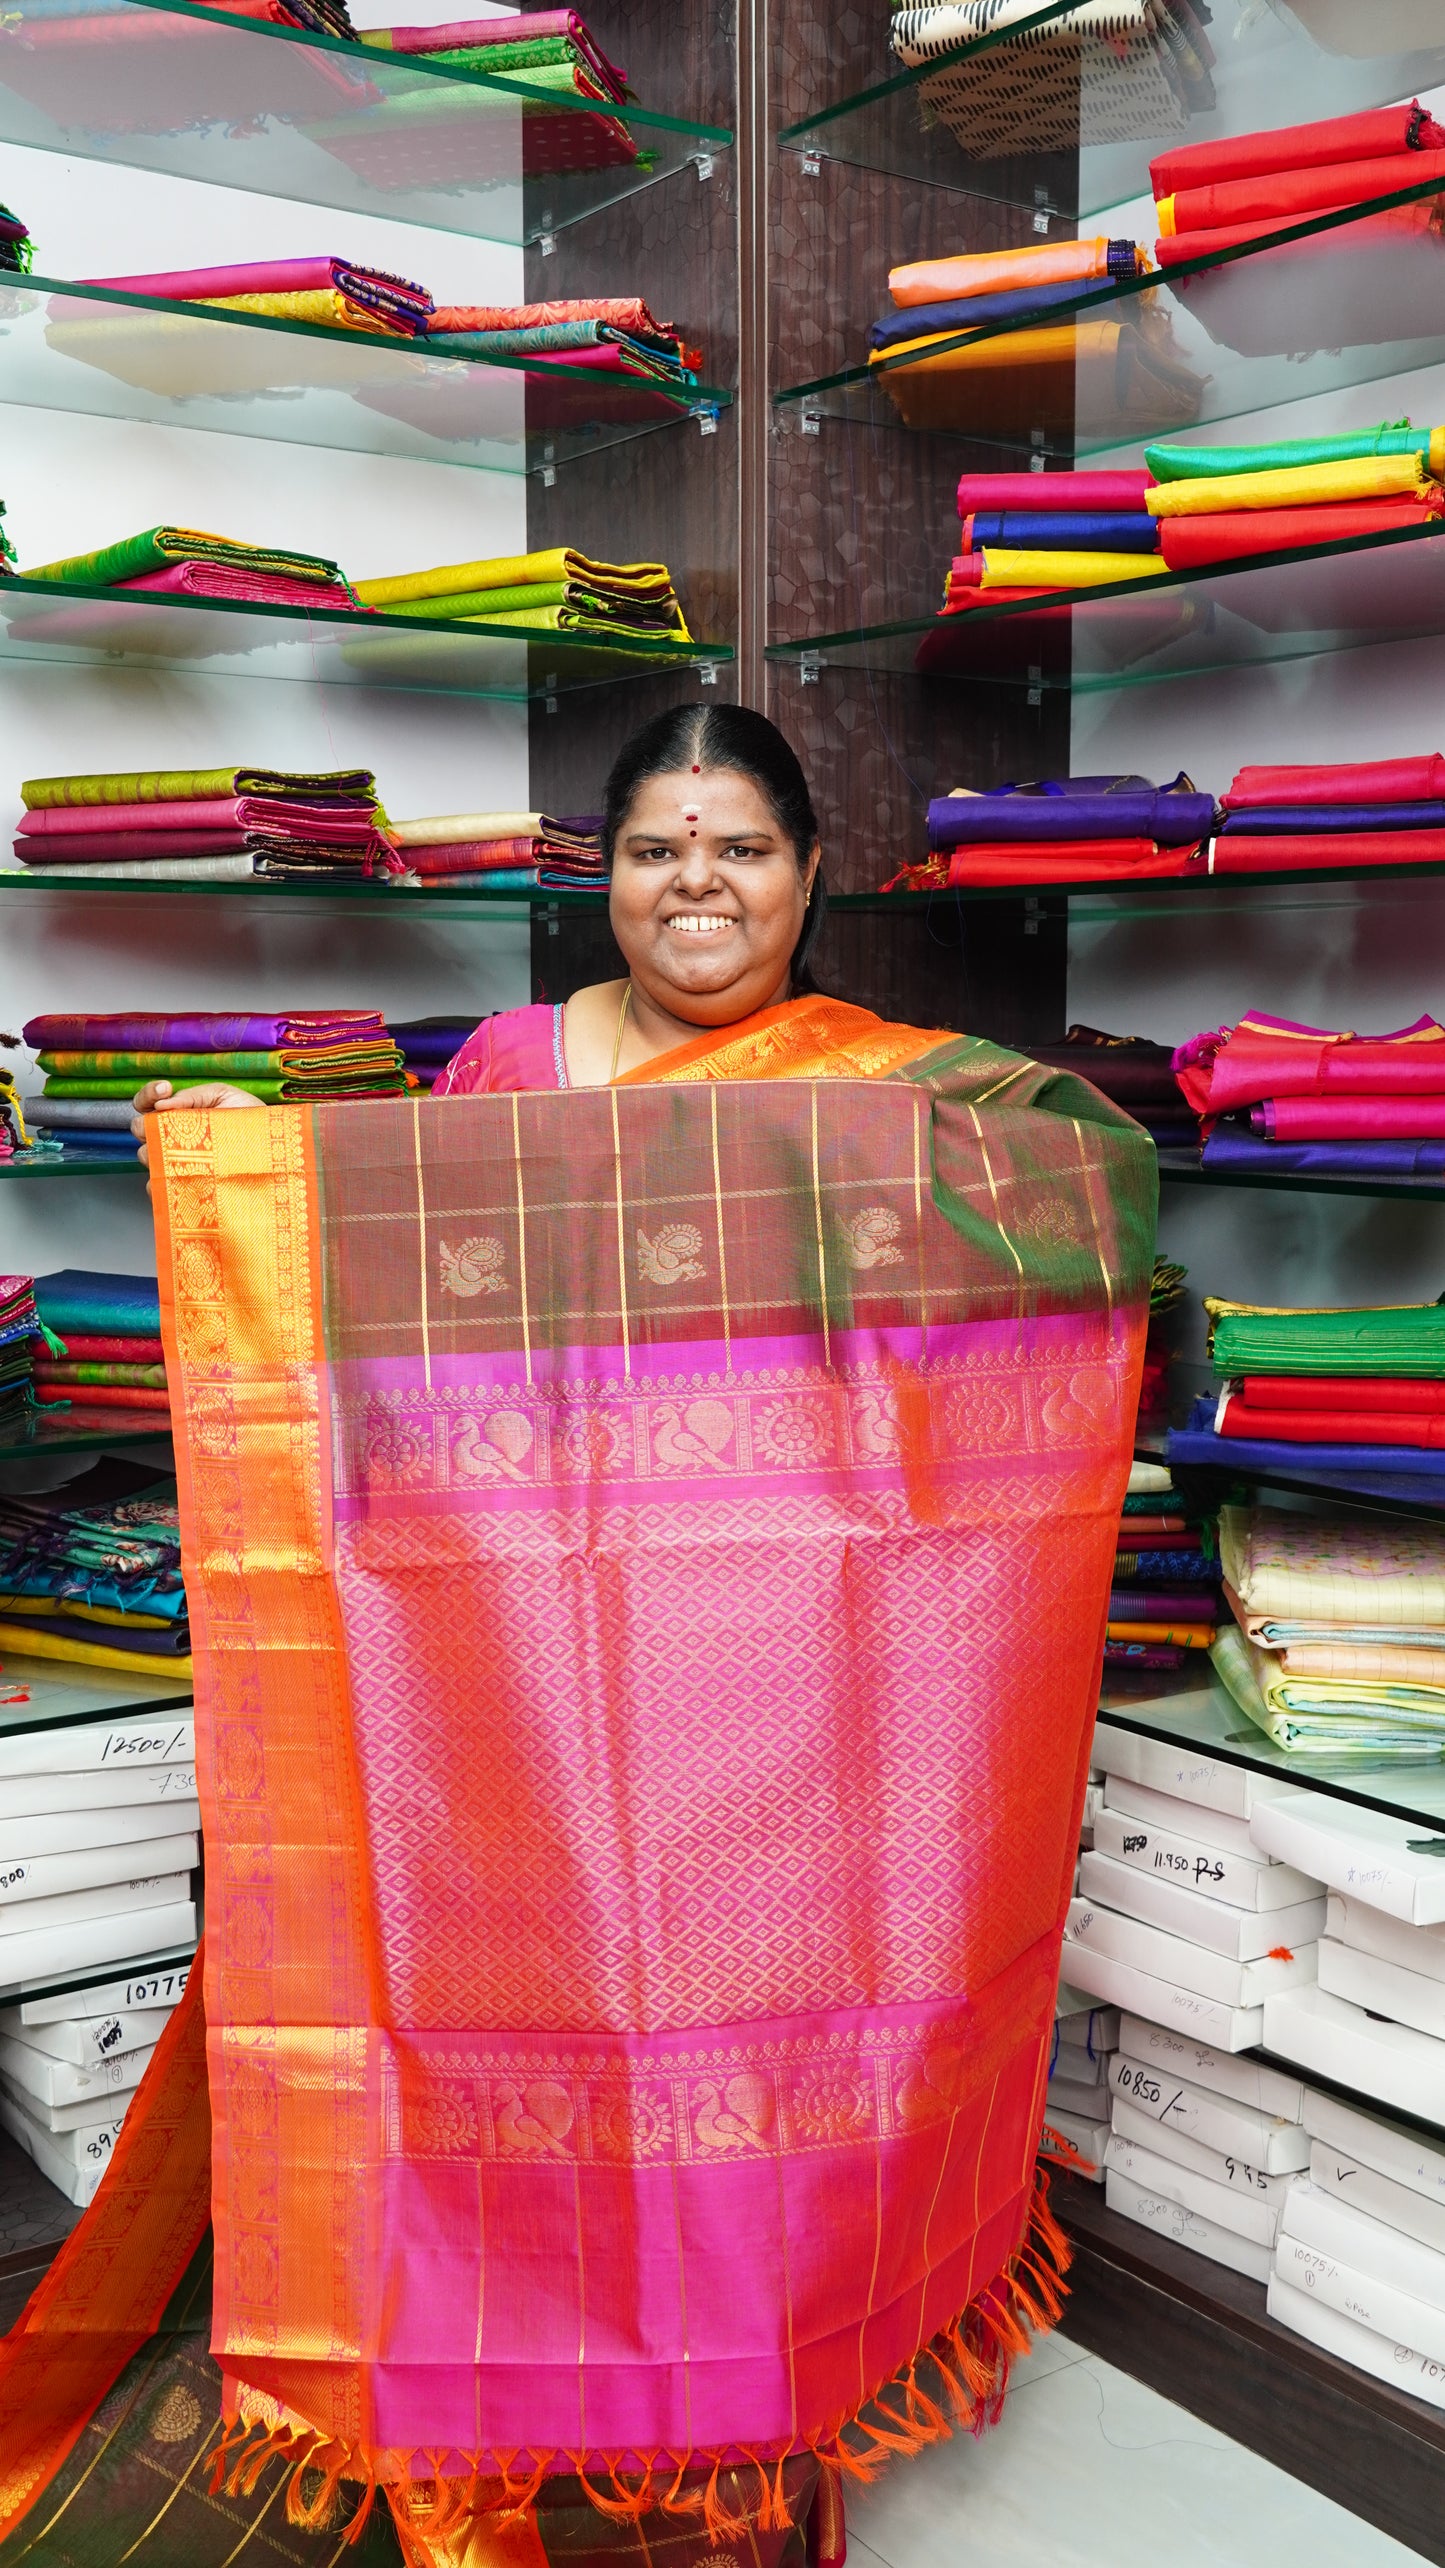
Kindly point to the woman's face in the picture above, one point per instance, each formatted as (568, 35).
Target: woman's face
(707, 897)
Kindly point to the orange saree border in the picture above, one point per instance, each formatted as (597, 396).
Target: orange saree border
(812, 1038)
(108, 2287)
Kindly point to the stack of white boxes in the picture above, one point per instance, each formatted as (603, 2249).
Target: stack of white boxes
(1376, 2020)
(1359, 2266)
(1204, 2144)
(1181, 1918)
(98, 1845)
(1076, 2106)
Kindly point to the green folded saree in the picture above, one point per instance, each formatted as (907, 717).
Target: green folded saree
(272, 1092)
(1191, 463)
(1408, 1341)
(160, 546)
(189, 784)
(307, 1062)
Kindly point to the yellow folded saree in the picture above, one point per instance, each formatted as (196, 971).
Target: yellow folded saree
(1298, 486)
(1006, 568)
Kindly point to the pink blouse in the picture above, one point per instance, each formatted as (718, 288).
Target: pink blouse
(521, 1048)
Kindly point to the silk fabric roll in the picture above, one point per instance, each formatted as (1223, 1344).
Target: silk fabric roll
(1118, 492)
(1420, 779)
(1247, 854)
(1301, 485)
(1232, 535)
(1371, 136)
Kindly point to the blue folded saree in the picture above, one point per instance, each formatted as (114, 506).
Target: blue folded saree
(1294, 820)
(1197, 1443)
(1250, 1152)
(1074, 808)
(1065, 531)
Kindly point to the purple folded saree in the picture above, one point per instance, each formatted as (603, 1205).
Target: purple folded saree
(1074, 808)
(204, 1032)
(1164, 1604)
(1293, 820)
(1250, 1152)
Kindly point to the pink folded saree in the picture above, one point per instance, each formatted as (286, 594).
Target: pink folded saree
(278, 812)
(252, 588)
(1366, 780)
(1419, 1117)
(1111, 492)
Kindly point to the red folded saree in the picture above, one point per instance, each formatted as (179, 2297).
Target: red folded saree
(1231, 534)
(1095, 860)
(1341, 848)
(472, 856)
(634, 2143)
(1175, 250)
(1333, 1426)
(1283, 197)
(1374, 135)
(1261, 1061)
(1315, 1391)
(1366, 780)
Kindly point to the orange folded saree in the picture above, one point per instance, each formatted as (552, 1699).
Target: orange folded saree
(649, 1551)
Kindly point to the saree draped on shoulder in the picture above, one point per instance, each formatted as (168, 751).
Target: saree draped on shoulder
(649, 1553)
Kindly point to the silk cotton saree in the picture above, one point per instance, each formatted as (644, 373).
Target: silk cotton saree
(649, 1553)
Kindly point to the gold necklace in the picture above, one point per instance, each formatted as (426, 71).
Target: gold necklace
(617, 1041)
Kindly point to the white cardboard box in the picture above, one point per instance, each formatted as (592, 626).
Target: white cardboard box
(1240, 1934)
(1090, 2102)
(1378, 2355)
(1404, 1996)
(1224, 2166)
(1412, 2213)
(1341, 2042)
(84, 2043)
(1226, 2028)
(40, 1796)
(1356, 1850)
(88, 2148)
(156, 1984)
(24, 1879)
(78, 2184)
(1216, 2121)
(1370, 1930)
(1225, 1830)
(1187, 2228)
(1357, 2295)
(1240, 1881)
(1094, 2029)
(1170, 1957)
(1250, 2082)
(97, 1940)
(1321, 2217)
(1254, 2216)
(1082, 2142)
(117, 1743)
(1406, 2156)
(1079, 2067)
(63, 2082)
(1182, 1772)
(29, 1917)
(63, 1832)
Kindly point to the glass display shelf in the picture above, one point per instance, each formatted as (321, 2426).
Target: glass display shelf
(1315, 889)
(1394, 1493)
(63, 1692)
(1273, 607)
(1198, 1713)
(1025, 95)
(156, 84)
(109, 355)
(77, 1430)
(41, 620)
(76, 1163)
(1314, 310)
(1181, 1168)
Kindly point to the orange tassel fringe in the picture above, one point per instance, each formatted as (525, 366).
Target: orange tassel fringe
(959, 2379)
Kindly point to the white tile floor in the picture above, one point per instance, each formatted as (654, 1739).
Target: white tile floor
(1088, 2469)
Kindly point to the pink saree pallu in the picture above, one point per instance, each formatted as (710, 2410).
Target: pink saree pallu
(649, 1553)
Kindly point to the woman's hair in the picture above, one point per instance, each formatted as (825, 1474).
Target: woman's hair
(733, 736)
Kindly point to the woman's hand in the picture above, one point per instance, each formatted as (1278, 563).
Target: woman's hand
(157, 1097)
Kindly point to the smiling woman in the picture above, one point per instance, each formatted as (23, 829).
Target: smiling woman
(716, 899)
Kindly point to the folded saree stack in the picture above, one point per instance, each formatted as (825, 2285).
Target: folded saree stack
(1109, 70)
(557, 591)
(1278, 1098)
(595, 335)
(1219, 504)
(283, 1059)
(17, 250)
(1337, 1643)
(1114, 358)
(227, 824)
(1376, 811)
(1350, 1398)
(325, 293)
(101, 1344)
(71, 2061)
(1033, 535)
(19, 1329)
(426, 1044)
(549, 67)
(506, 850)
(1069, 829)
(180, 561)
(1164, 1600)
(1376, 277)
(1133, 1072)
(92, 1572)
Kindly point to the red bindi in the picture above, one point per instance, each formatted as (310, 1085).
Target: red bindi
(697, 771)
